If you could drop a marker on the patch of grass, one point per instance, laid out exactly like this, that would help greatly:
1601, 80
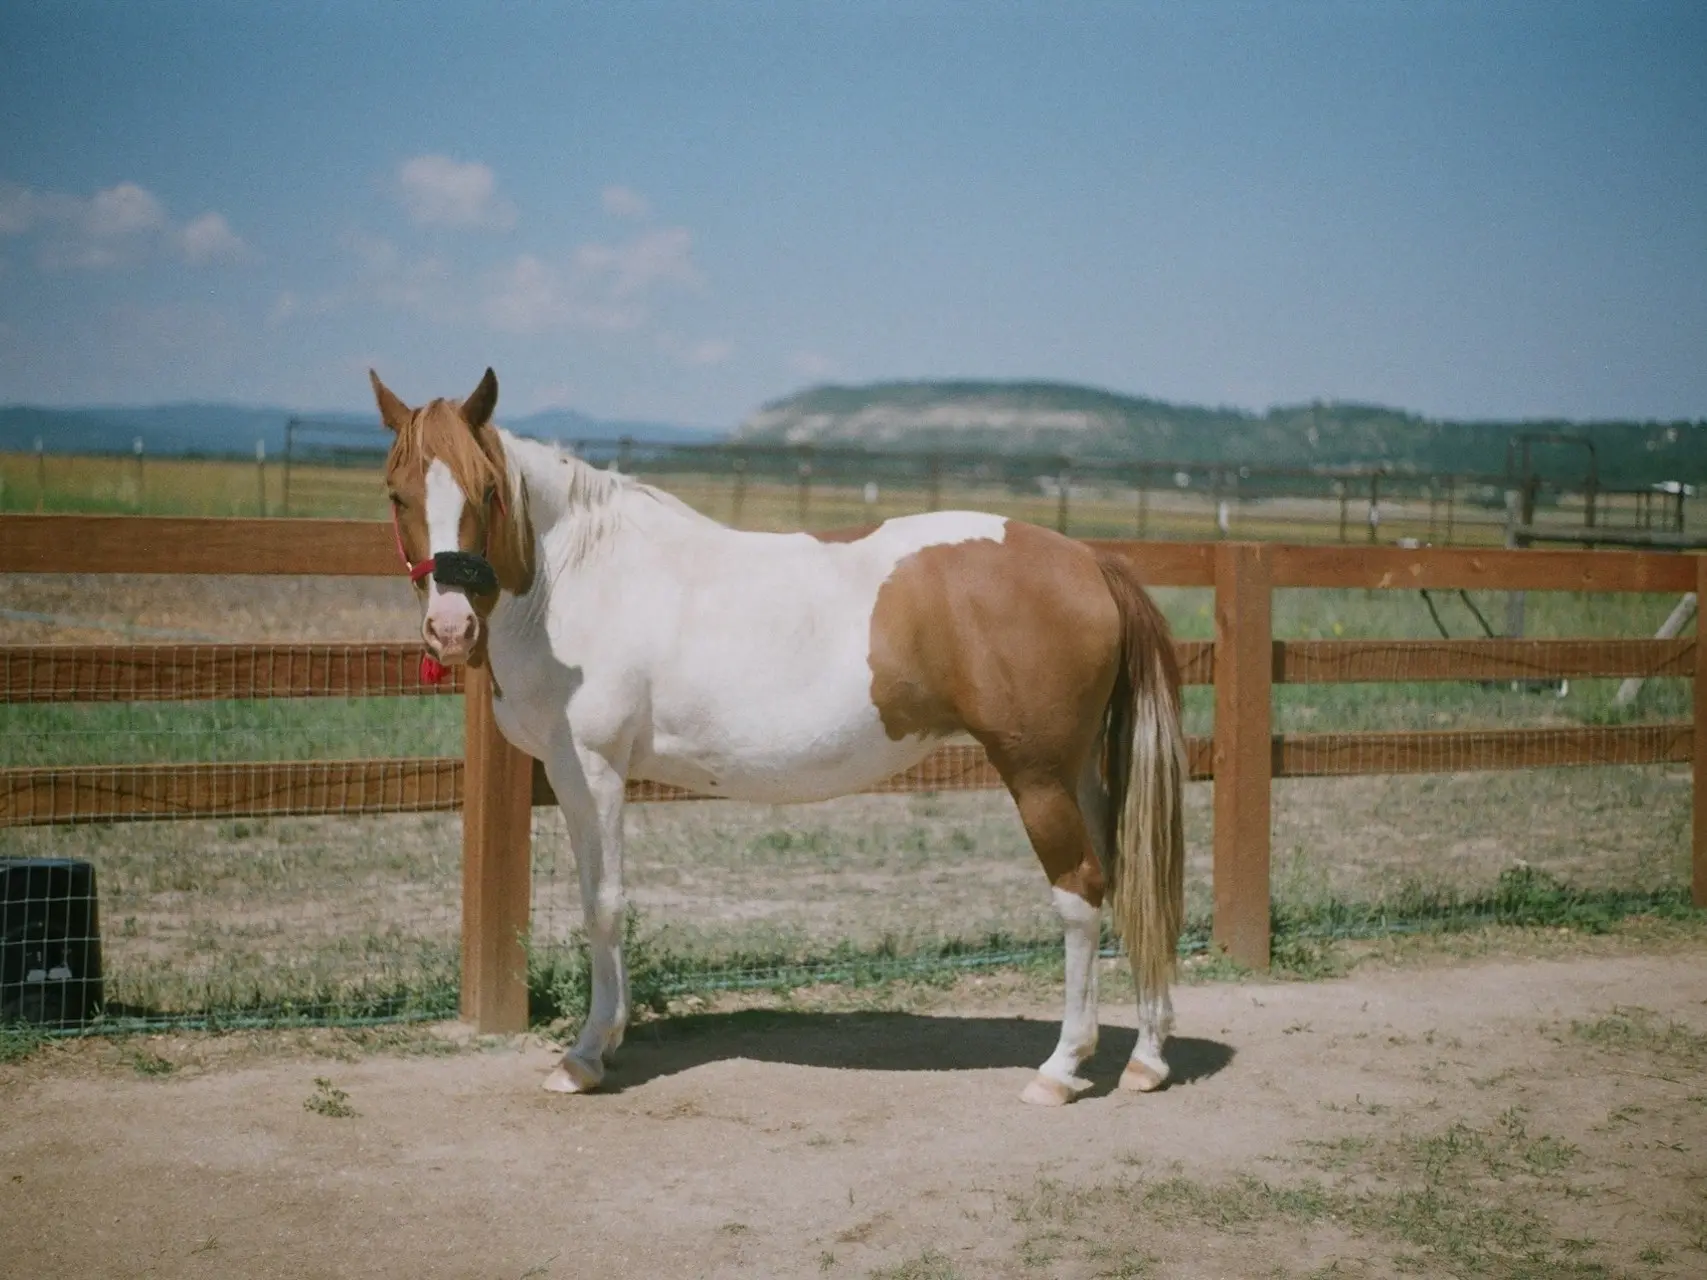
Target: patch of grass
399, 1039
145, 1062
1693, 1221
929, 1265
1306, 945
1238, 1204
329, 1100
18, 1040
229, 730
1306, 959
1123, 1264
1475, 1200
1524, 896
560, 978
1339, 1153
1632, 1027
1213, 966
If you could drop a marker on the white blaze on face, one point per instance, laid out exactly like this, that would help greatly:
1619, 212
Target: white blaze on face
450, 626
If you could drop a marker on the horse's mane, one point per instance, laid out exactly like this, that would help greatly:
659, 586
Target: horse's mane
593, 501
439, 431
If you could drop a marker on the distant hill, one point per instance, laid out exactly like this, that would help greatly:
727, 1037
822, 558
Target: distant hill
231, 430
969, 416
1082, 422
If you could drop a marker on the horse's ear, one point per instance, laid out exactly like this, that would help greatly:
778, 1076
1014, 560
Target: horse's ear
392, 411
477, 409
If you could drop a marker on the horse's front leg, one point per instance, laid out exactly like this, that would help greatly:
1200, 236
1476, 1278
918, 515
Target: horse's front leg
590, 789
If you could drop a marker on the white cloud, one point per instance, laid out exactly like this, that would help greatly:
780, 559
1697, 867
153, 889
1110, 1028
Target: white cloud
608, 287
121, 211
709, 352
532, 295
385, 276
19, 209
637, 266
210, 238
625, 202
440, 192
115, 227
526, 297
809, 364
290, 305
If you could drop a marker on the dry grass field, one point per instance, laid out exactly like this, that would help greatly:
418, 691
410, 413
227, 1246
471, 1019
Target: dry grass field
1095, 507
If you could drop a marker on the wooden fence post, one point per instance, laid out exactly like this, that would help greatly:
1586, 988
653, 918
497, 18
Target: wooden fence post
1244, 674
496, 867
1698, 858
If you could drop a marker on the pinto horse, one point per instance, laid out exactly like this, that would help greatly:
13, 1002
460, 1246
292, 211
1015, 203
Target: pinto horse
628, 636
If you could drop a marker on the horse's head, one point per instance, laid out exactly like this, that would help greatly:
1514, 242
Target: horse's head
460, 536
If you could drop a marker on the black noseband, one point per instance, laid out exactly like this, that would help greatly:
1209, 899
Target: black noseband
465, 571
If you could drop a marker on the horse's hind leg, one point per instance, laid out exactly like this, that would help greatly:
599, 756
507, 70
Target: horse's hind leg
1147, 1069
1056, 825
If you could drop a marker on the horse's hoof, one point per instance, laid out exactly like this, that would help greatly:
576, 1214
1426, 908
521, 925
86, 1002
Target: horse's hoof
570, 1076
1046, 1091
1140, 1077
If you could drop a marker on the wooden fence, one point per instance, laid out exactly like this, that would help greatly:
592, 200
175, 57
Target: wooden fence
496, 785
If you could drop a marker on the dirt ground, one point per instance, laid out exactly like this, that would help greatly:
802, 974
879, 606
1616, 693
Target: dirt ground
1498, 1116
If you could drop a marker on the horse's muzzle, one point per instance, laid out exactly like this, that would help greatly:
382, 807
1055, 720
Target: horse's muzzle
465, 571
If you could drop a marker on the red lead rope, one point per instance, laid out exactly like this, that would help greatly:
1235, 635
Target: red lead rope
432, 670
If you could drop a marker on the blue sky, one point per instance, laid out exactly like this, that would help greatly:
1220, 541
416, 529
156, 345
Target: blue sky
680, 210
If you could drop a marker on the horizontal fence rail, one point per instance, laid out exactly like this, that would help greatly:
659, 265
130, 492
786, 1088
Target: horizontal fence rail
1450, 568
1395, 661
198, 672
56, 795
195, 672
1343, 755
197, 545
366, 548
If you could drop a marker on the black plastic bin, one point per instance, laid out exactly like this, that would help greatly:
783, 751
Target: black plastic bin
50, 942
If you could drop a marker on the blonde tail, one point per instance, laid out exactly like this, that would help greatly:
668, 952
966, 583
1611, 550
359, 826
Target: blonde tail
1144, 771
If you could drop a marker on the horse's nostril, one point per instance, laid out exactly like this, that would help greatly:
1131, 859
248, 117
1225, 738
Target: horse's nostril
454, 632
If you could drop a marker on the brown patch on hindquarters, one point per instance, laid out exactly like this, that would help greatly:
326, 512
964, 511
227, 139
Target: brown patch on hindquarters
1018, 643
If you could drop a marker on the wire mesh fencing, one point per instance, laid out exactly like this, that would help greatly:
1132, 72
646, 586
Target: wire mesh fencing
1443, 775
269, 832
265, 832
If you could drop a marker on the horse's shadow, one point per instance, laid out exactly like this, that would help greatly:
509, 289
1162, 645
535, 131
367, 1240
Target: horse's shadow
882, 1042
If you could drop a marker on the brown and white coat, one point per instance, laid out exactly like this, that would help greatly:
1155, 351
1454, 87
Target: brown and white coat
631, 637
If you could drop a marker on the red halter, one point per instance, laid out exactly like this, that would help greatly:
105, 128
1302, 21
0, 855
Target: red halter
416, 571
432, 670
